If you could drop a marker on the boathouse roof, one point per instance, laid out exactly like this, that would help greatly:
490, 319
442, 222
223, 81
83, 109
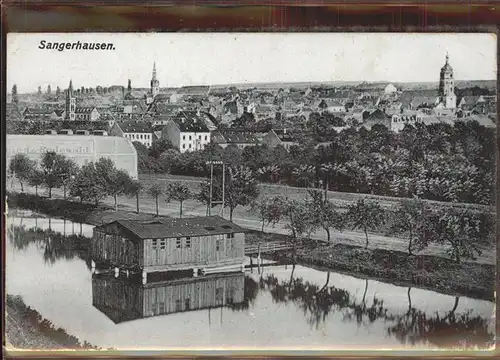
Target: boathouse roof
176, 227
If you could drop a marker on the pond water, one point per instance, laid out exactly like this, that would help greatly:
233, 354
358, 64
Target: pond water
274, 307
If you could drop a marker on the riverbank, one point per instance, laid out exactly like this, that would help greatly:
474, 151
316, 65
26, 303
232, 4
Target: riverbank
84, 213
425, 271
25, 328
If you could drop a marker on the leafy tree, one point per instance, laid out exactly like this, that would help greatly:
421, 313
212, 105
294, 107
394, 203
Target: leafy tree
203, 195
15, 98
36, 179
461, 229
323, 213
106, 170
269, 210
159, 147
55, 168
298, 218
87, 185
22, 168
179, 192
49, 89
134, 188
58, 91
240, 189
129, 86
67, 170
410, 218
365, 215
120, 184
156, 191
39, 90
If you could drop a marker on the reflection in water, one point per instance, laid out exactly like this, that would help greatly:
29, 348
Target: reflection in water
450, 331
55, 245
324, 306
414, 327
122, 299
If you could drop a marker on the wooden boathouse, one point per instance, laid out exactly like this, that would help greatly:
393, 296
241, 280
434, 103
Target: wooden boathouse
209, 244
123, 300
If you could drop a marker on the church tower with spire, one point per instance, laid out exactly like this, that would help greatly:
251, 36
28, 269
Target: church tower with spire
447, 95
155, 84
70, 103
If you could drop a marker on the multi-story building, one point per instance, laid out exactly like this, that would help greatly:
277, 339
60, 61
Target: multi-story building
187, 131
87, 113
135, 131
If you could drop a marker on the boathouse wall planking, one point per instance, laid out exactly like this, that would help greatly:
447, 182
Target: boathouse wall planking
169, 244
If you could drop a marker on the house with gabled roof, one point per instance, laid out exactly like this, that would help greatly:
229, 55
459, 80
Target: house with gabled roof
240, 139
88, 113
45, 114
281, 137
187, 131
170, 244
134, 130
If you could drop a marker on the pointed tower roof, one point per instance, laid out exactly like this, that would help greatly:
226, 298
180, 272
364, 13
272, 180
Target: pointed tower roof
69, 93
154, 71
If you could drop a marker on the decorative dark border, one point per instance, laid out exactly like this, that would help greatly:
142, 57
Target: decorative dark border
245, 16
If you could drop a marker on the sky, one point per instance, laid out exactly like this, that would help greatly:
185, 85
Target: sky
184, 59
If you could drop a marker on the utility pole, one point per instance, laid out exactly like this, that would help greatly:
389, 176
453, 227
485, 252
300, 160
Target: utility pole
223, 190
211, 202
326, 187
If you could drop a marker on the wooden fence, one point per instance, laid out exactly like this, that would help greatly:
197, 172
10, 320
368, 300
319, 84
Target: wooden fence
268, 247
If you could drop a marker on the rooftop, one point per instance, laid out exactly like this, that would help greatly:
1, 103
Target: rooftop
134, 126
84, 110
178, 227
188, 121
240, 137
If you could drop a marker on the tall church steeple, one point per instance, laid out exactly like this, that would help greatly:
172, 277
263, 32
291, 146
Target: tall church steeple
447, 86
155, 84
70, 103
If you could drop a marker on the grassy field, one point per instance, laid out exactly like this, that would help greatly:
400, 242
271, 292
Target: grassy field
297, 193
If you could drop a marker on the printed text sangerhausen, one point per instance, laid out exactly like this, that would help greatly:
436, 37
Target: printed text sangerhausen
74, 45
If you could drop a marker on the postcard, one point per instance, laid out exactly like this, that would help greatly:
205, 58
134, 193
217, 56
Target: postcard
251, 191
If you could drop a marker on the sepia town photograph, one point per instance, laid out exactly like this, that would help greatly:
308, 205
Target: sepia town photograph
277, 191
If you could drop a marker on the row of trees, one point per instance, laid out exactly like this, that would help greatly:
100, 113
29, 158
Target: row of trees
462, 229
436, 162
90, 183
464, 232
82, 90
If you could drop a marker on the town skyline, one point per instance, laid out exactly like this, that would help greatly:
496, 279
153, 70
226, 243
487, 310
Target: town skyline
236, 64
